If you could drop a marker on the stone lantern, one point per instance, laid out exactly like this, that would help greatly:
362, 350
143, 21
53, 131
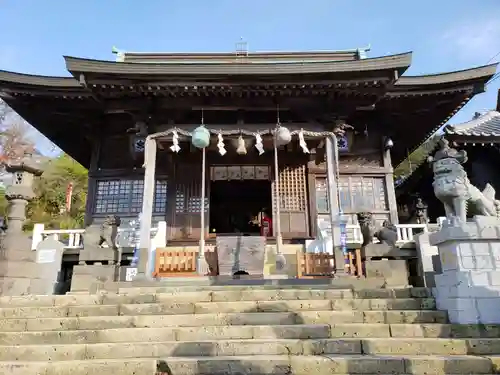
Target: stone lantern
19, 272
24, 170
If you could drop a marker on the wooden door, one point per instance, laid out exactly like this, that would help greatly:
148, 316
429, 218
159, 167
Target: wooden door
186, 203
293, 201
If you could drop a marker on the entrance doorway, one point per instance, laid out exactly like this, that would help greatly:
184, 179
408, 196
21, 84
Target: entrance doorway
234, 206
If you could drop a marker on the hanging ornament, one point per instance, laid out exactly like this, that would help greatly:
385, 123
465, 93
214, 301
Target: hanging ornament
200, 137
282, 136
258, 144
220, 145
241, 150
175, 140
303, 143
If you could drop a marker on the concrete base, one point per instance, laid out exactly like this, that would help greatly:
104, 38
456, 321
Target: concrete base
469, 285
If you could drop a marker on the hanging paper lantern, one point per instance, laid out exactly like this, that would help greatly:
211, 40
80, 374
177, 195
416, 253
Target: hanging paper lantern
200, 137
241, 149
283, 136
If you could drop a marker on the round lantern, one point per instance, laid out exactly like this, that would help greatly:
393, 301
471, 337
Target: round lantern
200, 137
283, 136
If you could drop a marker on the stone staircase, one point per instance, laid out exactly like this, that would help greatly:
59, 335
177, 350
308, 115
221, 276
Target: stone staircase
213, 330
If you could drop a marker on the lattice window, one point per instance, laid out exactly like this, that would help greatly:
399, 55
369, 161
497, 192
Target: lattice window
322, 201
188, 200
160, 200
180, 204
125, 197
292, 186
355, 193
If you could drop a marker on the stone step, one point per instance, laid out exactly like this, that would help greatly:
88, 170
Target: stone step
218, 295
370, 289
143, 366
265, 364
220, 319
283, 331
277, 281
173, 305
379, 346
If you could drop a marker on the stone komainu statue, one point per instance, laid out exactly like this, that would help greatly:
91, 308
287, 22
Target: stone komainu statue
367, 226
388, 234
94, 238
453, 188
96, 235
109, 231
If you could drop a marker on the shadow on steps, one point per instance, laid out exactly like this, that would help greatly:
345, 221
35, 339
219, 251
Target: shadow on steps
205, 365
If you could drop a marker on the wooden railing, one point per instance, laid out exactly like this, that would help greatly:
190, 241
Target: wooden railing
175, 263
182, 263
312, 265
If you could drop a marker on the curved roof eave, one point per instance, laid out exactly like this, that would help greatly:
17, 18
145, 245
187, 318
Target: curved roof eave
79, 65
485, 72
486, 125
38, 80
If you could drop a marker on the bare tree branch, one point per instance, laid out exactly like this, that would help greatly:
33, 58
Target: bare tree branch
14, 139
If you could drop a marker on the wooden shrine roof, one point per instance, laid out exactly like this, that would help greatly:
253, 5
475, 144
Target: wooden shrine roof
411, 107
242, 56
486, 125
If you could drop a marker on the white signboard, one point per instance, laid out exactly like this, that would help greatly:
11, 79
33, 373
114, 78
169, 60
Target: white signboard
46, 255
130, 274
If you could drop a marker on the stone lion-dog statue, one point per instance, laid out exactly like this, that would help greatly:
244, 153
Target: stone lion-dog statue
453, 188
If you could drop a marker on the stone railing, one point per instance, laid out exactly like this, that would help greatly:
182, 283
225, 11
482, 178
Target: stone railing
73, 238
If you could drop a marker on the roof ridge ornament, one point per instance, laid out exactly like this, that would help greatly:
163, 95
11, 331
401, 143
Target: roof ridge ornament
120, 55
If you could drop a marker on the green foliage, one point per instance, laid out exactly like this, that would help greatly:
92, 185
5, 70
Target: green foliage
50, 205
416, 158
3, 202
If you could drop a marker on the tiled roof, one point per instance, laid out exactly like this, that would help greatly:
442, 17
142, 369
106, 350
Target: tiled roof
487, 125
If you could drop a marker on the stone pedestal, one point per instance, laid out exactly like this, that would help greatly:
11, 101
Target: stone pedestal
383, 260
469, 285
241, 253
87, 277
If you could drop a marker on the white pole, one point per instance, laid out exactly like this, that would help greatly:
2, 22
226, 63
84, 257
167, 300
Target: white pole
280, 259
147, 207
201, 263
332, 178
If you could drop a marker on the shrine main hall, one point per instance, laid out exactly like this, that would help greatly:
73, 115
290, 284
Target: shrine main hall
105, 113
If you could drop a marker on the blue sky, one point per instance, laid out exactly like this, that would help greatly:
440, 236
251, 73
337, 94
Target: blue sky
443, 34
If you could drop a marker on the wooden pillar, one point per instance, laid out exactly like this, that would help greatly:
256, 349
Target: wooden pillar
147, 207
91, 185
389, 187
